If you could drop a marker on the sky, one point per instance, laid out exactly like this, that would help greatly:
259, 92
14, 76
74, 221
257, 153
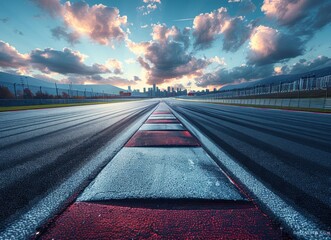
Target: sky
196, 44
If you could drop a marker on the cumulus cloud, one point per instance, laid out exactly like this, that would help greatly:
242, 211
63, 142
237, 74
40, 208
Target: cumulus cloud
236, 75
143, 63
163, 34
64, 62
150, 6
170, 61
267, 45
207, 27
115, 65
285, 11
166, 57
301, 16
10, 57
217, 60
305, 65
235, 34
63, 33
53, 7
323, 17
129, 61
101, 23
278, 70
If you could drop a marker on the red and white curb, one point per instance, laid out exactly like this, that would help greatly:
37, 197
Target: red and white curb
162, 185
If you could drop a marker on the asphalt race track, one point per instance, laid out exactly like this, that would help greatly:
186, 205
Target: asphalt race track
288, 151
41, 151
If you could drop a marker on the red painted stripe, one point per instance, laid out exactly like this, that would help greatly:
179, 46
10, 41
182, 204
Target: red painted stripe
163, 139
166, 121
97, 221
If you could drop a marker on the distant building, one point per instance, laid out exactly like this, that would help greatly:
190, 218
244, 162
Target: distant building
154, 89
157, 93
125, 94
129, 89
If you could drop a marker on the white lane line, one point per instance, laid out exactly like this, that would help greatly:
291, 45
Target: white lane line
161, 173
300, 226
25, 226
161, 117
160, 127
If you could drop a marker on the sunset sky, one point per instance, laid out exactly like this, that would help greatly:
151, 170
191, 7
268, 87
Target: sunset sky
194, 44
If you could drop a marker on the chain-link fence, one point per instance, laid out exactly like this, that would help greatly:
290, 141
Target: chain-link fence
306, 87
307, 92
24, 91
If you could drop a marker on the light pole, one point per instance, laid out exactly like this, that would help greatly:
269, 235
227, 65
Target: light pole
15, 90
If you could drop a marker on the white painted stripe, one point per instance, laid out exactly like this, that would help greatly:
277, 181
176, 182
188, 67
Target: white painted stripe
162, 107
161, 117
298, 224
172, 173
159, 127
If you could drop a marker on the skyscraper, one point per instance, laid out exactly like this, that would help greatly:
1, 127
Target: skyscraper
154, 88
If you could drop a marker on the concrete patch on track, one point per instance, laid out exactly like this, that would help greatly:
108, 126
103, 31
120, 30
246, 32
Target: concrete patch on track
161, 173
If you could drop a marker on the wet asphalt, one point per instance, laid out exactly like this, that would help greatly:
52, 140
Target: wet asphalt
290, 152
40, 149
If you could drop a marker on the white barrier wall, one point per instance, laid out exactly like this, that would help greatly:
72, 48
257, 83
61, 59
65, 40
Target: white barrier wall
319, 103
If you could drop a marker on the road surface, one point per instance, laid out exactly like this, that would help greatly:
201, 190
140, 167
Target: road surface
288, 151
40, 149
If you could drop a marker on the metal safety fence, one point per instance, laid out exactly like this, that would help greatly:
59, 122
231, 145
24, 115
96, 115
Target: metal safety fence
24, 91
305, 87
